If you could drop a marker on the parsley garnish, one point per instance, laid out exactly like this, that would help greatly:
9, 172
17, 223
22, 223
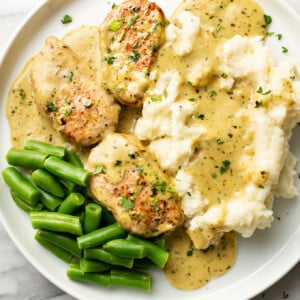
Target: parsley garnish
260, 91
214, 175
70, 76
98, 170
160, 187
140, 169
156, 98
132, 20
219, 141
268, 21
284, 49
225, 166
118, 163
66, 19
126, 203
213, 94
109, 60
68, 111
115, 25
258, 104
132, 155
52, 107
199, 116
135, 56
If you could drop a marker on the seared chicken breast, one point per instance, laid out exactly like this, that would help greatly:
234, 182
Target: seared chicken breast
130, 37
64, 92
128, 181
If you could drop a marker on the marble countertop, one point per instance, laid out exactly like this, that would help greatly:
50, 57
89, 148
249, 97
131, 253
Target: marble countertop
18, 278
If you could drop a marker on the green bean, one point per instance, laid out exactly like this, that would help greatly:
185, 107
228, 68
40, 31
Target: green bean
89, 265
57, 251
131, 278
71, 203
26, 158
155, 253
125, 248
107, 257
92, 217
74, 159
55, 221
100, 236
144, 263
49, 201
69, 185
66, 170
60, 240
24, 205
74, 272
160, 241
21, 185
46, 148
107, 217
47, 182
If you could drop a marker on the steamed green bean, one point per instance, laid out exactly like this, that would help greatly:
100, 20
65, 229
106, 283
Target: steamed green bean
46, 148
47, 182
21, 185
26, 158
100, 236
55, 221
107, 257
66, 170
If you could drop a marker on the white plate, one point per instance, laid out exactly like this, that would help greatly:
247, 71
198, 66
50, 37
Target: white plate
262, 259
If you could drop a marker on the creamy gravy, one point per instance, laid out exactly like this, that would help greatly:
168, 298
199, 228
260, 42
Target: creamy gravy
187, 268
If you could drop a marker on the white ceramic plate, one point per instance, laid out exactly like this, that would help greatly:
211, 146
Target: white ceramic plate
262, 259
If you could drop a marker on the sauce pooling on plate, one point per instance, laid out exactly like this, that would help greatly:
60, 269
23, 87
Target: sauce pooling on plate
189, 268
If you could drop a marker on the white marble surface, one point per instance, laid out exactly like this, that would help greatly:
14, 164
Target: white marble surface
18, 279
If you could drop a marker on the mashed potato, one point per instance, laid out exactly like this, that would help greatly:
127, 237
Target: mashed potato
236, 109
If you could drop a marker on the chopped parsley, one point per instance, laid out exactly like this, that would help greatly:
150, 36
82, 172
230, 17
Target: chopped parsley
126, 203
160, 187
66, 19
70, 76
284, 49
98, 170
132, 20
199, 116
192, 99
114, 5
219, 28
219, 141
118, 163
135, 56
109, 60
279, 36
132, 155
214, 175
67, 101
213, 94
260, 91
190, 252
52, 107
156, 98
258, 104
68, 111
140, 169
268, 21
261, 186
115, 25
225, 166
224, 75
